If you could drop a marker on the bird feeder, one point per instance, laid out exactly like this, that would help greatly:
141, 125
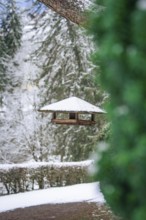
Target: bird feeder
72, 111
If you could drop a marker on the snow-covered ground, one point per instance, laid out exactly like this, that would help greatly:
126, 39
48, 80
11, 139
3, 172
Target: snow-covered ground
87, 192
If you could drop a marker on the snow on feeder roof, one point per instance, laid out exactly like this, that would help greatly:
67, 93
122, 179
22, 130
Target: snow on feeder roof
72, 110
72, 104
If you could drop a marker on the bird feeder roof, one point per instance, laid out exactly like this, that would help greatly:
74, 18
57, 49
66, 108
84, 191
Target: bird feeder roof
72, 104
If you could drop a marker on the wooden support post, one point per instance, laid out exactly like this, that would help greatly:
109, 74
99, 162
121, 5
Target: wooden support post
54, 115
92, 117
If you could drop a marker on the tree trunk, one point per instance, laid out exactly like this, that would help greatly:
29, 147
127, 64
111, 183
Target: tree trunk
72, 10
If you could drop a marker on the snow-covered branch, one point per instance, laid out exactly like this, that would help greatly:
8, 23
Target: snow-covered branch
72, 10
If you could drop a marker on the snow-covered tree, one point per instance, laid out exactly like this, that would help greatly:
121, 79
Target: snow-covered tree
66, 70
11, 27
52, 63
3, 78
10, 38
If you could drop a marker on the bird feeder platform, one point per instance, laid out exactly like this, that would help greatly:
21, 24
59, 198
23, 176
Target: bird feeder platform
72, 111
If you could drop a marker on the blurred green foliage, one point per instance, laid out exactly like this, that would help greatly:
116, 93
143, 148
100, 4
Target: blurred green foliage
119, 31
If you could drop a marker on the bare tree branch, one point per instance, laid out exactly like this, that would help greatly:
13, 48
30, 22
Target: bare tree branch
72, 10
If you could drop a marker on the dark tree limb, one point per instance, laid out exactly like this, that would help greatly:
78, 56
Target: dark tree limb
72, 10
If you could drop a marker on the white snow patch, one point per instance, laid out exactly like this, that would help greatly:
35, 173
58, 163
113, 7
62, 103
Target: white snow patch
87, 192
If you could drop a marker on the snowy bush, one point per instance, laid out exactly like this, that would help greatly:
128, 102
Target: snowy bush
16, 178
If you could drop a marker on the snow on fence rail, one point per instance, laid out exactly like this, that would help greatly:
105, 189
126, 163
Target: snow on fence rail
15, 178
